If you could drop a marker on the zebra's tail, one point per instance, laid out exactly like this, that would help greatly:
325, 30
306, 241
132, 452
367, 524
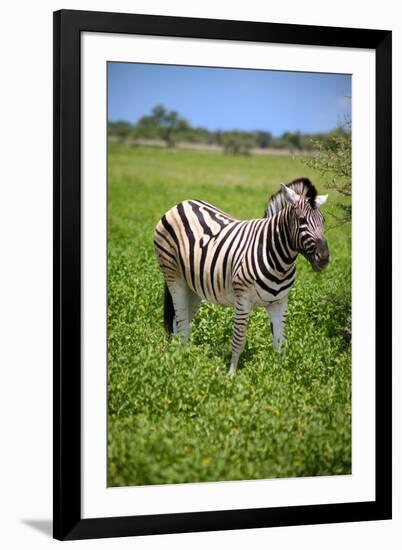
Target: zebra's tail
168, 311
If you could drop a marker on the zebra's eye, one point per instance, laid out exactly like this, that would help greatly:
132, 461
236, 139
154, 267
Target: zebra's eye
303, 220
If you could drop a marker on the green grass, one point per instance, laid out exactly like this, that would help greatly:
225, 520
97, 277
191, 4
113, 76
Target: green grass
174, 414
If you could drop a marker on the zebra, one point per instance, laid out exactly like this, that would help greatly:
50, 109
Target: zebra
205, 253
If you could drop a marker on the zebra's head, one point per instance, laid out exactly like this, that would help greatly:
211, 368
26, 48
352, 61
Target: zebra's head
307, 227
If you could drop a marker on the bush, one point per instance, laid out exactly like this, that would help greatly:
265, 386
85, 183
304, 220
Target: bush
334, 162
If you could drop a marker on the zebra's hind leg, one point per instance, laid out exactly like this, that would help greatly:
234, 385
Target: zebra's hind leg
182, 297
193, 304
277, 314
241, 315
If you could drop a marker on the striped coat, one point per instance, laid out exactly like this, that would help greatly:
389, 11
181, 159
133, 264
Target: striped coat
205, 253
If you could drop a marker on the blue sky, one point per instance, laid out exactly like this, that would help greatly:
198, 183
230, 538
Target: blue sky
227, 99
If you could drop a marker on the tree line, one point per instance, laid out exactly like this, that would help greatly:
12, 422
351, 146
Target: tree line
172, 128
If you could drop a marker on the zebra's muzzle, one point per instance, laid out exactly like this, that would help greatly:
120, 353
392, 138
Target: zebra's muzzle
320, 258
319, 266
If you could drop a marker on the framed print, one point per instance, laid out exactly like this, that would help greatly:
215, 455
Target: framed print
222, 274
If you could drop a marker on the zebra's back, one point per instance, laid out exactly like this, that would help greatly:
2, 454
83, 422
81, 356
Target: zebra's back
201, 243
220, 257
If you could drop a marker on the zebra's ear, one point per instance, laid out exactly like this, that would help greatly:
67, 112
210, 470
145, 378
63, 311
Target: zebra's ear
320, 200
290, 195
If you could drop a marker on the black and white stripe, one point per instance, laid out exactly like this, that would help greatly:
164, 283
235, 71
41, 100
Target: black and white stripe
205, 253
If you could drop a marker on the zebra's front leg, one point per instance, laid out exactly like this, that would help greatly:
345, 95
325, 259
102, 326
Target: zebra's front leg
241, 315
277, 314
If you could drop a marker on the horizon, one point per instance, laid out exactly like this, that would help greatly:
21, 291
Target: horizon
309, 103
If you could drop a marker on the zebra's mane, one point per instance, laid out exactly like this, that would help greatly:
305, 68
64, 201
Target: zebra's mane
302, 186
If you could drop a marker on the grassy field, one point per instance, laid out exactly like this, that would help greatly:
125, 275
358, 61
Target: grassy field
174, 414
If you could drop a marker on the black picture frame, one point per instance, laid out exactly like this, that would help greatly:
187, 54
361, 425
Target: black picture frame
68, 26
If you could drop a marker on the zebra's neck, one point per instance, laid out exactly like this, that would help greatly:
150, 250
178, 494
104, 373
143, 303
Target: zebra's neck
269, 262
279, 247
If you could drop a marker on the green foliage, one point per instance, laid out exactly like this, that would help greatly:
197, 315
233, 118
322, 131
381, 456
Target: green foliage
120, 129
170, 127
263, 139
236, 143
294, 139
334, 163
174, 414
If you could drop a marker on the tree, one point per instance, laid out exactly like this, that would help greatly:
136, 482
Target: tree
236, 143
334, 162
294, 139
263, 139
146, 128
163, 124
121, 129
